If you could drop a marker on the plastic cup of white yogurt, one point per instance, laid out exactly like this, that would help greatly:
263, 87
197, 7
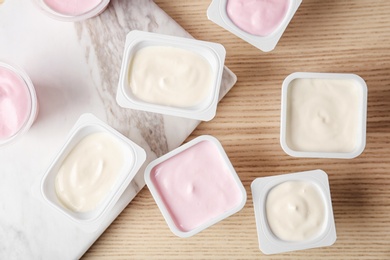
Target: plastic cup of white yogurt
18, 103
293, 212
195, 186
72, 10
323, 115
90, 172
171, 75
260, 23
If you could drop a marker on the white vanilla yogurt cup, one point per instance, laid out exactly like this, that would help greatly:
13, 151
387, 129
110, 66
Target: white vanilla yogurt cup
171, 75
289, 206
323, 115
77, 183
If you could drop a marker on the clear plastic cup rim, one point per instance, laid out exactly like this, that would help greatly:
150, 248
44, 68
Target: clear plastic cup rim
33, 98
71, 18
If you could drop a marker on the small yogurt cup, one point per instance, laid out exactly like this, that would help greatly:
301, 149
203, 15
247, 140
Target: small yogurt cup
269, 243
214, 54
331, 95
5, 107
133, 158
195, 186
57, 10
217, 12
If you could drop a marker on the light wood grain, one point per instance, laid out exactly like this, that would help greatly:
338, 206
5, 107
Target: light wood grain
324, 36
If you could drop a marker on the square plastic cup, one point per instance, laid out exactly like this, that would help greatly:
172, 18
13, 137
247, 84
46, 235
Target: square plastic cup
18, 103
195, 186
266, 36
212, 53
294, 207
72, 10
133, 157
323, 115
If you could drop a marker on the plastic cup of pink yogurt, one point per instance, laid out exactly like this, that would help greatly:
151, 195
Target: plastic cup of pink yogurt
18, 103
260, 23
72, 10
195, 186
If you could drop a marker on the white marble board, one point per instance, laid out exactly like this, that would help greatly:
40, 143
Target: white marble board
75, 69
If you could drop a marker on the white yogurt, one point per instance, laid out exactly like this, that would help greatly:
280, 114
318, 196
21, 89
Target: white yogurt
170, 76
323, 115
295, 211
89, 172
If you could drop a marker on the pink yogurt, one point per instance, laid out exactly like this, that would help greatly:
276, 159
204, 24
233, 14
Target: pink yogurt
196, 185
257, 17
72, 7
15, 103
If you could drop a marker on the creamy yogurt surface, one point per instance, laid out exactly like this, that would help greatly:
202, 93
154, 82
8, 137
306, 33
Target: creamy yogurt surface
170, 76
72, 7
323, 115
89, 172
295, 211
257, 17
15, 103
196, 186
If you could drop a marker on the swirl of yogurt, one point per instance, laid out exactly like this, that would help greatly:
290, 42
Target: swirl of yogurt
295, 211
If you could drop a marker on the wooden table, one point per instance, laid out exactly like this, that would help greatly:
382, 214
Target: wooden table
324, 36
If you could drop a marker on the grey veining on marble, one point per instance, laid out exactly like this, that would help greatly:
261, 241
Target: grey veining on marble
75, 69
107, 34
